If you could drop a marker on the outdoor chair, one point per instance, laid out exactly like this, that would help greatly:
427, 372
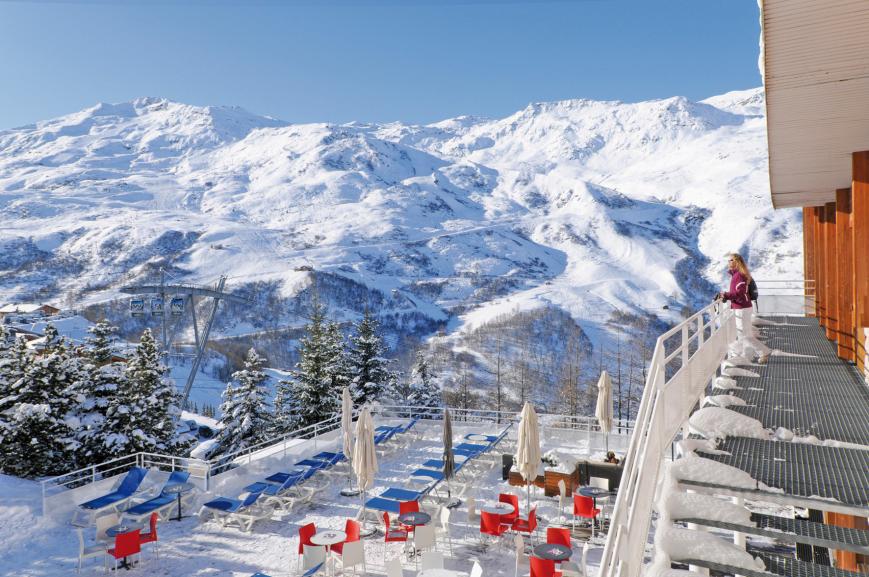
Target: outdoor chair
528, 525
577, 570
399, 494
432, 560
104, 522
583, 507
87, 511
558, 536
353, 530
85, 551
543, 567
392, 535
163, 503
394, 568
352, 554
126, 545
424, 538
286, 495
511, 499
490, 524
476, 570
305, 534
521, 557
151, 535
313, 559
408, 507
473, 517
562, 496
245, 511
444, 518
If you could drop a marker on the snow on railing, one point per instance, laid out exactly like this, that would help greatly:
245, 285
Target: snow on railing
684, 361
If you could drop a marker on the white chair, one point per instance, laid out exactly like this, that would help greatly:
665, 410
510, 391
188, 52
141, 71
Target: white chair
393, 568
476, 570
432, 560
562, 495
84, 552
473, 517
521, 557
353, 554
445, 526
424, 538
312, 555
570, 569
103, 523
584, 562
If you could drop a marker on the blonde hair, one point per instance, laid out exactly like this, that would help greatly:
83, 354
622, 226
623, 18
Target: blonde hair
741, 266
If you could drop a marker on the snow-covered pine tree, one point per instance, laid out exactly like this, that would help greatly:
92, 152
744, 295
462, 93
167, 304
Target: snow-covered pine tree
14, 360
312, 385
143, 412
41, 439
337, 365
425, 392
285, 410
369, 368
97, 388
246, 416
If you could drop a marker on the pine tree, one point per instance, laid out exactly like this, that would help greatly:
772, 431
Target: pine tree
313, 396
425, 392
245, 411
285, 411
143, 412
15, 359
369, 369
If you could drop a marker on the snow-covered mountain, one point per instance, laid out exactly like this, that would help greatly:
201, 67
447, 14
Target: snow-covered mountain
588, 206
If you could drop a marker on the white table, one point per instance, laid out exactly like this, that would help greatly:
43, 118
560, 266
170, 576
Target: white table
498, 508
327, 538
438, 573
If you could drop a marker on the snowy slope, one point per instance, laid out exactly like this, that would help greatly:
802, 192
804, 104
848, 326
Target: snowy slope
590, 206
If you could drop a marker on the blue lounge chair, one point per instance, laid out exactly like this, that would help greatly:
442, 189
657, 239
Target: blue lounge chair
431, 473
119, 497
381, 504
285, 495
401, 494
162, 503
243, 511
489, 438
474, 447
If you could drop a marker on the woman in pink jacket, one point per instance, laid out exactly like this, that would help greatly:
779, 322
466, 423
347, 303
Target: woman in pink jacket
740, 302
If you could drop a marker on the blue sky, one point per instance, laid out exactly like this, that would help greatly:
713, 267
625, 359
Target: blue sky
368, 60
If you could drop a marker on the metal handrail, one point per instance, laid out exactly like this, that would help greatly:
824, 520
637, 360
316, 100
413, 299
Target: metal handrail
669, 396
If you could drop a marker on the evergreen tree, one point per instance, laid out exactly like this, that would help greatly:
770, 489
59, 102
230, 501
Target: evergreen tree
40, 439
337, 364
425, 392
142, 414
15, 359
285, 412
245, 411
369, 369
313, 396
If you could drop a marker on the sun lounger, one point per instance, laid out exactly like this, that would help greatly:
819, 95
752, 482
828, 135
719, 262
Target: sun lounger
285, 495
161, 504
401, 494
245, 512
473, 447
431, 473
381, 504
119, 497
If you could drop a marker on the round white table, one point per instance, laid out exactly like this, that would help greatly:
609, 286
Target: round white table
178, 489
498, 508
438, 573
327, 538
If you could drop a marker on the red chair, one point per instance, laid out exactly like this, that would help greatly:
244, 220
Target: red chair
491, 524
392, 535
126, 544
558, 536
528, 525
408, 507
305, 534
584, 507
511, 499
543, 567
151, 536
352, 528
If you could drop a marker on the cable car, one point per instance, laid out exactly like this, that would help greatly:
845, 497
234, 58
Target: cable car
157, 307
137, 307
176, 306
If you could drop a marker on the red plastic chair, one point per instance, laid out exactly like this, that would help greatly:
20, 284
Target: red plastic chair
126, 544
512, 499
528, 525
352, 528
490, 524
151, 536
305, 534
584, 507
392, 535
408, 507
558, 536
543, 567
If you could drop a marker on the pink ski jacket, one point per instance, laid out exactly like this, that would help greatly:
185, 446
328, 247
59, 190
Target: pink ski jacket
738, 293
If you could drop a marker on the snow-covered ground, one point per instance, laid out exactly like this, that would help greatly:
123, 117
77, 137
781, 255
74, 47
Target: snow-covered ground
36, 546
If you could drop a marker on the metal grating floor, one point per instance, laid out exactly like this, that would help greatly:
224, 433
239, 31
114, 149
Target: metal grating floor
777, 566
822, 396
802, 470
796, 531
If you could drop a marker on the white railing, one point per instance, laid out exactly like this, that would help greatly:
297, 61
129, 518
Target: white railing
786, 297
684, 361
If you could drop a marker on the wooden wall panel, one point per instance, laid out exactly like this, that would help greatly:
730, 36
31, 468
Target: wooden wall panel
831, 279
820, 264
845, 274
860, 218
809, 250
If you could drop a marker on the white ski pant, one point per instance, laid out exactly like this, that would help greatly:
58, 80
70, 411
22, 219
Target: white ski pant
747, 344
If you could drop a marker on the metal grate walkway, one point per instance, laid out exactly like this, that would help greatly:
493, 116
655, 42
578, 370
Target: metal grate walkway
776, 566
822, 396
